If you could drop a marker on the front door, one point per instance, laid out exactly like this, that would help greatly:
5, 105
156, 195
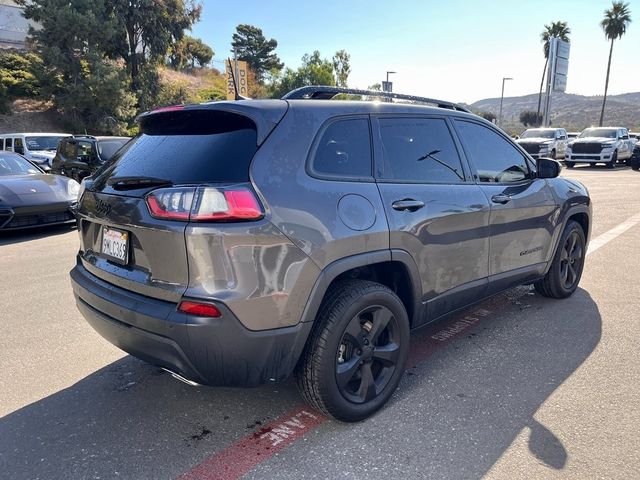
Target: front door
523, 209
435, 211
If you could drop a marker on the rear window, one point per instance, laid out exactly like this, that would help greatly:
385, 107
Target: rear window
186, 147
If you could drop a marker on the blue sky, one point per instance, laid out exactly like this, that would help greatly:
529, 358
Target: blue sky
455, 50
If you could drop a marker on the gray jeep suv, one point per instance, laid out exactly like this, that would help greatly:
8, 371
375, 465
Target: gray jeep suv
236, 243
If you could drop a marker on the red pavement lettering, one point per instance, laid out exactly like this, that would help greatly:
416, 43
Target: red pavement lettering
249, 452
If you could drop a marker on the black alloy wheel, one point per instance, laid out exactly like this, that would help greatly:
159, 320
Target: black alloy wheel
571, 260
368, 354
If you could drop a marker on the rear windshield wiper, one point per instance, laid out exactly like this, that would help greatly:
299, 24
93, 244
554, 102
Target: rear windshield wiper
131, 183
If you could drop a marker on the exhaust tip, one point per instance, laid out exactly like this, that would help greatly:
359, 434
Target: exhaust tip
177, 376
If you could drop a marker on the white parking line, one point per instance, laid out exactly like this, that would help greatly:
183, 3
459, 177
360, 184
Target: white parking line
615, 232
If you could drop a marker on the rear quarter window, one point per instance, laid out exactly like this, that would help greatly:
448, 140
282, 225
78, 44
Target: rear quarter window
344, 150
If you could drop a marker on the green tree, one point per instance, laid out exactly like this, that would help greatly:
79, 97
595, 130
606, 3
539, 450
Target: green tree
251, 46
90, 89
147, 28
314, 71
615, 23
341, 67
18, 74
529, 118
555, 29
189, 50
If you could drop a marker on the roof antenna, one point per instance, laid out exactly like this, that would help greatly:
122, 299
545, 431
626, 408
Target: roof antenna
235, 84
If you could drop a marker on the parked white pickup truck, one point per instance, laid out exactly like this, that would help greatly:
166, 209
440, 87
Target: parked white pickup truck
607, 145
544, 142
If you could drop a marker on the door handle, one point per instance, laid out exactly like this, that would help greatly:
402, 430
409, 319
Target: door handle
501, 198
407, 204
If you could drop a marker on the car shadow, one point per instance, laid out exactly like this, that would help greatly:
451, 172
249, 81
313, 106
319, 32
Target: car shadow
10, 237
457, 410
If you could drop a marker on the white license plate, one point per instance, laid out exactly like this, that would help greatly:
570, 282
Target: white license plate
115, 245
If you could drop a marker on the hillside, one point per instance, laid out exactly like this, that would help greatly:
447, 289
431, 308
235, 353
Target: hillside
573, 112
31, 116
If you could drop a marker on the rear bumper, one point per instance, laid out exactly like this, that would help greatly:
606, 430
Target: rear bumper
208, 351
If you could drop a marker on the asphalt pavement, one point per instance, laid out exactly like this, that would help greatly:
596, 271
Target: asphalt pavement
520, 386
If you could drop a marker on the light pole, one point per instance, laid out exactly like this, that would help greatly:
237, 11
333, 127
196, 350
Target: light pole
501, 99
387, 86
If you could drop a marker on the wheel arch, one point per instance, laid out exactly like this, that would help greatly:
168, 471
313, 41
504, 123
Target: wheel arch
395, 269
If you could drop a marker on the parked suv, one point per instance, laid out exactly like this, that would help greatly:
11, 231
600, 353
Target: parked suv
236, 243
79, 156
635, 158
607, 145
544, 142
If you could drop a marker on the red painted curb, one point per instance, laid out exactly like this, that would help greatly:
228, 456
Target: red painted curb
249, 452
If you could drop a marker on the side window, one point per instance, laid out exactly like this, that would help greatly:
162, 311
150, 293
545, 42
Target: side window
419, 150
494, 157
18, 146
344, 149
8, 144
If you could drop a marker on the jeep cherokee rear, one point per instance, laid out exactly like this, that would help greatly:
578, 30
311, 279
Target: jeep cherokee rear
235, 243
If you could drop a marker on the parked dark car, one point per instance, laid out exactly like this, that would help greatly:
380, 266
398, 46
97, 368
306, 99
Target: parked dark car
79, 156
635, 158
236, 243
30, 198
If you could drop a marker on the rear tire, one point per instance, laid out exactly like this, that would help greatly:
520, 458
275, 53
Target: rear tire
355, 356
635, 167
569, 164
566, 268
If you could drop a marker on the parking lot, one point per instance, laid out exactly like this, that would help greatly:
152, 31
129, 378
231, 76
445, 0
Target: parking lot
519, 386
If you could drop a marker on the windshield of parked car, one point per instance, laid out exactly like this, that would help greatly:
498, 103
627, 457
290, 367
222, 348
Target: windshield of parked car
106, 148
14, 164
600, 132
43, 143
538, 133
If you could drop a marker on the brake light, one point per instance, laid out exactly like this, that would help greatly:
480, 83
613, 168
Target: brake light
204, 204
199, 309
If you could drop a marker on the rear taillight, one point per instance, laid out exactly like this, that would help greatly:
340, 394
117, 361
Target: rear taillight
199, 309
204, 204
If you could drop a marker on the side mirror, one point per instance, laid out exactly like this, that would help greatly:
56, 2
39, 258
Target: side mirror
548, 168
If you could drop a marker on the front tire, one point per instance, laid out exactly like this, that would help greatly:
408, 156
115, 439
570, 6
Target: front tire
614, 160
569, 164
356, 354
566, 268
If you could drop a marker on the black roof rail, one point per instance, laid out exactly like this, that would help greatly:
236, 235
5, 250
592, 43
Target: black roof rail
322, 92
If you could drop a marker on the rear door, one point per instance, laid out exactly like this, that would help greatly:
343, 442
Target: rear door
523, 209
435, 212
121, 242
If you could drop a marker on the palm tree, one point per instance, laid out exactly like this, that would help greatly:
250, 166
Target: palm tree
615, 23
556, 29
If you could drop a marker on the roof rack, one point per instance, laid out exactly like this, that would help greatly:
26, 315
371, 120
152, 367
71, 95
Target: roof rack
322, 92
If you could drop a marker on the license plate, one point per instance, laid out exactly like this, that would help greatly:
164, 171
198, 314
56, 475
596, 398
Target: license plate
115, 245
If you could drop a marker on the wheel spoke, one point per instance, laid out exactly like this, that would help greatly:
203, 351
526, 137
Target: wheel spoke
347, 370
367, 388
577, 254
381, 318
564, 272
387, 354
353, 333
571, 275
572, 239
564, 255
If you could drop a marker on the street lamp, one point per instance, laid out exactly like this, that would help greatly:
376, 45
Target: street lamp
501, 99
387, 86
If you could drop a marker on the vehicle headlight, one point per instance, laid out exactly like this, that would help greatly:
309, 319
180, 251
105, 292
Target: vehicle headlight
73, 189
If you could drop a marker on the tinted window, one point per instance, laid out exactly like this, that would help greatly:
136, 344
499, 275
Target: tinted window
106, 148
8, 143
42, 143
494, 157
344, 149
419, 150
187, 147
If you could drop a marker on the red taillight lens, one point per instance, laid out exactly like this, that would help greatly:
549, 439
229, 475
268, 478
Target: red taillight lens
199, 309
204, 204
